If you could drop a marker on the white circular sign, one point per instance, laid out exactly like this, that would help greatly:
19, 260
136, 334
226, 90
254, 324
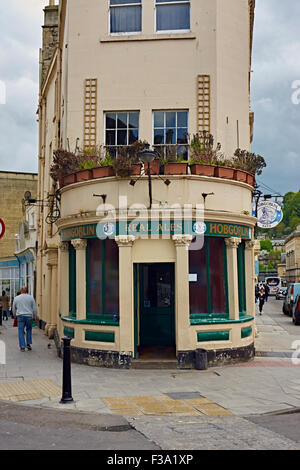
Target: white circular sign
269, 214
2, 228
199, 228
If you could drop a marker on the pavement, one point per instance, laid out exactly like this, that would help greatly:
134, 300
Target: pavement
169, 405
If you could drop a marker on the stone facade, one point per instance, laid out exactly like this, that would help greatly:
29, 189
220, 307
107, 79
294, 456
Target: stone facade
12, 189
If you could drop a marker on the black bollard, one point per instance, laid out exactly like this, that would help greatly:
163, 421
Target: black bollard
0, 316
67, 386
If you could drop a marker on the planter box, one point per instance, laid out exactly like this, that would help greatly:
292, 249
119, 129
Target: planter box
69, 179
154, 167
83, 175
61, 182
250, 179
224, 172
136, 169
103, 172
202, 169
175, 168
240, 175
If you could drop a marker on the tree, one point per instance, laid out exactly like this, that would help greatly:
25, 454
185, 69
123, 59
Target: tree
266, 245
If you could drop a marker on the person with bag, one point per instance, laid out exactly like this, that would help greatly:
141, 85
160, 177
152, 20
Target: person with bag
24, 310
4, 301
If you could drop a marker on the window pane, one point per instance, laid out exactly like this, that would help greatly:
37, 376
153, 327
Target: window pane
172, 17
111, 277
217, 278
110, 138
95, 276
126, 19
182, 119
170, 136
159, 119
171, 119
182, 152
159, 137
182, 136
122, 138
110, 121
133, 135
122, 121
133, 120
198, 288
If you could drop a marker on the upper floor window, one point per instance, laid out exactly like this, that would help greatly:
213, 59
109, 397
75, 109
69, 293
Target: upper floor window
121, 129
170, 130
172, 15
125, 16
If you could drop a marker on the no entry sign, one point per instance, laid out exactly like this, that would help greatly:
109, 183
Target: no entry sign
2, 228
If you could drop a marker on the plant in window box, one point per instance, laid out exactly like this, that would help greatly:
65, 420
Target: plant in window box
64, 166
249, 163
224, 169
106, 167
203, 156
174, 162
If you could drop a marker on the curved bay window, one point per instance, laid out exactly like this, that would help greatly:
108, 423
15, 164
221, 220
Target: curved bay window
208, 280
102, 278
242, 278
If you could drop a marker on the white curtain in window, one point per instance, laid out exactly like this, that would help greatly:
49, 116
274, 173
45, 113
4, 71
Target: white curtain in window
126, 19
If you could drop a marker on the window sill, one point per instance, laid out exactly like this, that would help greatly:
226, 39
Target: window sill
215, 321
147, 37
94, 321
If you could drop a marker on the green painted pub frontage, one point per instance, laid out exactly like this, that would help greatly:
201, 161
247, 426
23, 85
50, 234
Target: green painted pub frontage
141, 291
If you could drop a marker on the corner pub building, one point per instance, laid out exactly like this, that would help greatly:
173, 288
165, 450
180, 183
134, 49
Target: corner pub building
127, 284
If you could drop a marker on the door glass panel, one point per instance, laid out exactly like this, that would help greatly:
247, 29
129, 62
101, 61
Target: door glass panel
157, 287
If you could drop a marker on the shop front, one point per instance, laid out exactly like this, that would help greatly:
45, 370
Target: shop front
157, 290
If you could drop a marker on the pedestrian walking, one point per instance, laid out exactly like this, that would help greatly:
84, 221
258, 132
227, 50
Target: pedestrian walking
267, 291
4, 303
24, 309
256, 292
261, 297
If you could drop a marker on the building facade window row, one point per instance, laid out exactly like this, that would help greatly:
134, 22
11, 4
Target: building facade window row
170, 16
170, 127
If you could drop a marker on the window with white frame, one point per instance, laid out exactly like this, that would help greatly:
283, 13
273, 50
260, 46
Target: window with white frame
125, 16
121, 129
172, 15
170, 132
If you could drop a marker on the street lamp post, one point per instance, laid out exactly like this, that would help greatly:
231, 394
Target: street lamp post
147, 156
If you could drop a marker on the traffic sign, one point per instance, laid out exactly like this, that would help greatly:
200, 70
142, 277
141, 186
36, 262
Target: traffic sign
2, 228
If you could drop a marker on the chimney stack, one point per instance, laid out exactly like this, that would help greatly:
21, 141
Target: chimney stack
50, 38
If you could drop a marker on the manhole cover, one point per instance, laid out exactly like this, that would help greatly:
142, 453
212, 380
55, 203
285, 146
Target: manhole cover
184, 395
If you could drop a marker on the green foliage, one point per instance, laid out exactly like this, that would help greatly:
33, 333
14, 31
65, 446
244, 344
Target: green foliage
266, 245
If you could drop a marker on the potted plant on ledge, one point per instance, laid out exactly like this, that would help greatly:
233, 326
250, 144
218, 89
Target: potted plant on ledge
173, 160
203, 156
247, 165
105, 169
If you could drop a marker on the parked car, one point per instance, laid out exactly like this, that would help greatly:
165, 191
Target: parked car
292, 292
296, 311
281, 293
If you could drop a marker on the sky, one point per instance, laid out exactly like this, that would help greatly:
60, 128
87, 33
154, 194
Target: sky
275, 70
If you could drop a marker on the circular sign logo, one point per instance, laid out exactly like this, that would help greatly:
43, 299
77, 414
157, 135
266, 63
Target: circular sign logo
2, 228
108, 229
199, 228
269, 214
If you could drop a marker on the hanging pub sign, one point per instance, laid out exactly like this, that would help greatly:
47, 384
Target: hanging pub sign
269, 214
2, 228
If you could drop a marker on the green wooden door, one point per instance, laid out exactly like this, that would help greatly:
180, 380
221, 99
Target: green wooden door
157, 323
